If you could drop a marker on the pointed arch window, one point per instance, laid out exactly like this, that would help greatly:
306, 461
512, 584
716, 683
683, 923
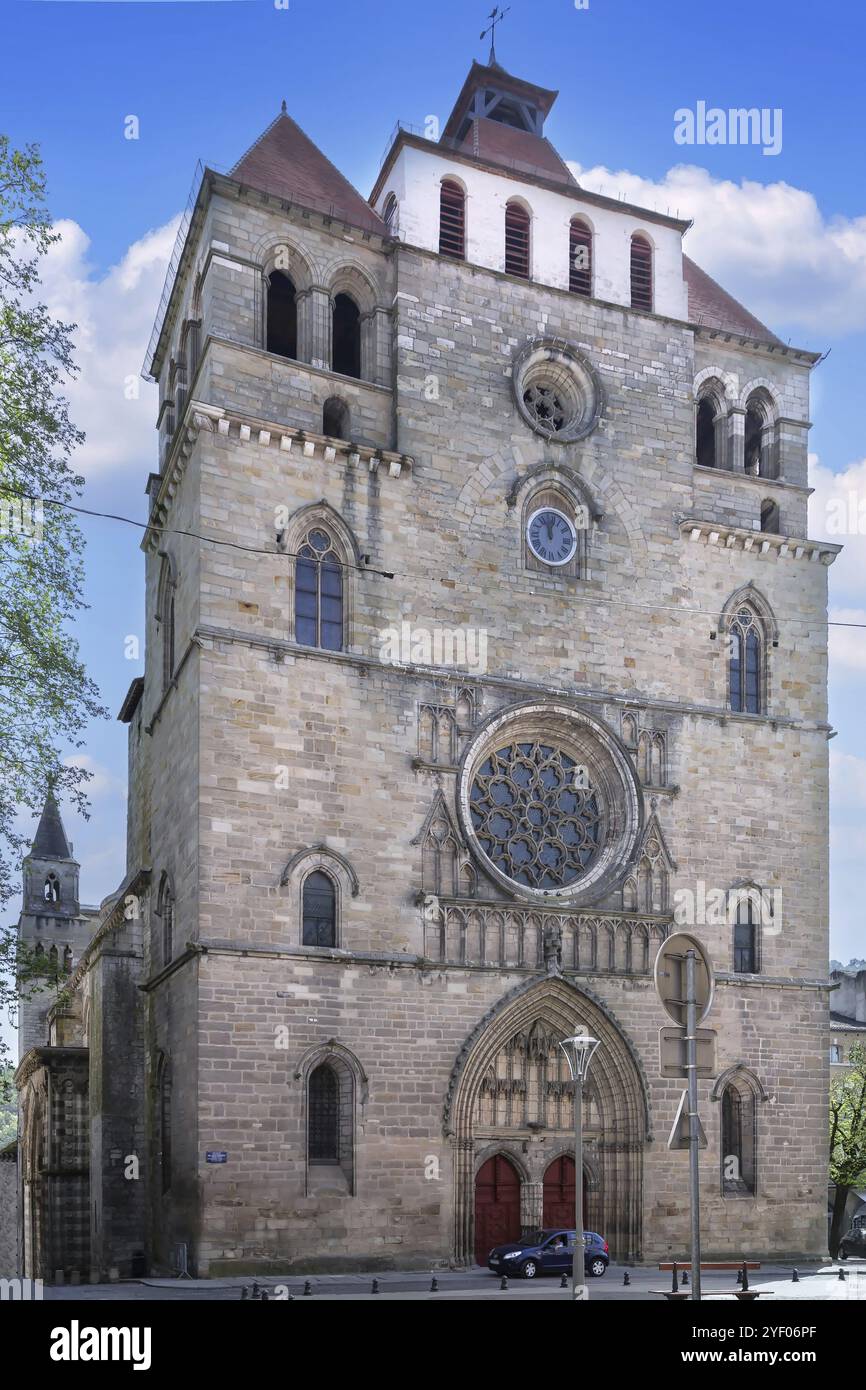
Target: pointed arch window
580, 257
51, 889
346, 351
746, 937
641, 273
391, 214
166, 619
452, 219
335, 418
281, 334
319, 910
324, 1115
166, 913
739, 1140
708, 424
746, 663
319, 602
770, 518
516, 240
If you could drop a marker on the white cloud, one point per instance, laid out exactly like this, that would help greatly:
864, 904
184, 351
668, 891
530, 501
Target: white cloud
102, 781
114, 314
767, 244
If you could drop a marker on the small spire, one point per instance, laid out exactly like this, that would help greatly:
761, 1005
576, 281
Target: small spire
283, 107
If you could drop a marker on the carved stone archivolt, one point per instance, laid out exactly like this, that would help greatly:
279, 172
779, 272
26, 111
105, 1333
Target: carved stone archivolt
510, 1090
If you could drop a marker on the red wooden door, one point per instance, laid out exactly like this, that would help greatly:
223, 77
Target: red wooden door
497, 1206
559, 1194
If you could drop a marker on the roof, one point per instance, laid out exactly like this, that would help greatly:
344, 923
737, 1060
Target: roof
285, 161
841, 1024
131, 700
712, 307
496, 143
51, 841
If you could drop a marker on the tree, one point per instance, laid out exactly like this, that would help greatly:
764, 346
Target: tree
847, 1138
46, 697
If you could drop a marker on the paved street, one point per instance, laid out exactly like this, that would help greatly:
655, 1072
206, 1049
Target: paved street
816, 1283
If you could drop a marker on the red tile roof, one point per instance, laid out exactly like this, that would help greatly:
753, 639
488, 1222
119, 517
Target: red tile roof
712, 307
284, 161
496, 143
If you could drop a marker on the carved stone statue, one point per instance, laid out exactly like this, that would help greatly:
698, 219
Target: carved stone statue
552, 943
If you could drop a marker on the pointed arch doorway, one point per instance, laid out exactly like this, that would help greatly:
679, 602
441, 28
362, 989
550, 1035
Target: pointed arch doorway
510, 1098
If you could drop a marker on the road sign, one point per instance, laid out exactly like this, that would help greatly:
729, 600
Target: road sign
679, 1137
670, 977
673, 1052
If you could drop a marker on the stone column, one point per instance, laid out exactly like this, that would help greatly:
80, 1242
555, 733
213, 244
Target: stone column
735, 460
315, 324
376, 346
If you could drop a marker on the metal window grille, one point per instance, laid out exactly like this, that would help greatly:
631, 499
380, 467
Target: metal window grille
324, 1094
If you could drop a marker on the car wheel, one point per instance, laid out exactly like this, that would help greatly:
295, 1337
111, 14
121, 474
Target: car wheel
597, 1268
529, 1269
843, 1252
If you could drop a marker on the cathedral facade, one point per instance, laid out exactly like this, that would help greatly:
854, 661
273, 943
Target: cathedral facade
485, 643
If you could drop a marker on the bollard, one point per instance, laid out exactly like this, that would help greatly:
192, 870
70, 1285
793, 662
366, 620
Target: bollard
256, 1290
434, 1285
375, 1288
308, 1288
625, 1279
674, 1287
503, 1283
266, 1298
745, 1280
842, 1275
245, 1293
685, 1279
563, 1283
795, 1277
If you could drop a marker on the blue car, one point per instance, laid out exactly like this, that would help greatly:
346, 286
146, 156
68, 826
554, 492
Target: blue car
549, 1252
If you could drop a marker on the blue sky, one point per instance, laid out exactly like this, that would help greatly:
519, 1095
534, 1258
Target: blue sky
787, 234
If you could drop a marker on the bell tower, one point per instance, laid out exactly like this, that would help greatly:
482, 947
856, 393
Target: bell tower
51, 919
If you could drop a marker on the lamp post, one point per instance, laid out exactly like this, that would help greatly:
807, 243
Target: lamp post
579, 1052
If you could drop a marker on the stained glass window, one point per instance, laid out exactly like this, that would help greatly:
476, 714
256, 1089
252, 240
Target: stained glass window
324, 1093
319, 593
535, 814
320, 915
745, 663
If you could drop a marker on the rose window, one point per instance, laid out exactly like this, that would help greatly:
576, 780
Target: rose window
535, 814
545, 407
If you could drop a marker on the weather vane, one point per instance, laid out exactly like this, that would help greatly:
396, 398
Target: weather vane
495, 16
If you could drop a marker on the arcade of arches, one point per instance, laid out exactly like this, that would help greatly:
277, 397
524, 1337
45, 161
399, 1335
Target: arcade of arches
511, 1122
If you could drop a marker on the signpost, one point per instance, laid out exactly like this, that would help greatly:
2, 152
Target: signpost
685, 984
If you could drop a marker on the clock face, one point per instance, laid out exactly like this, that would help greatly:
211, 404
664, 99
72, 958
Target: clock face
551, 536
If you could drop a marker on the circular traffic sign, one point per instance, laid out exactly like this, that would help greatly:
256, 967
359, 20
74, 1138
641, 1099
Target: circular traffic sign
670, 977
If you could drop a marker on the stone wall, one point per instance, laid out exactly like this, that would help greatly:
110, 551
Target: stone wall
9, 1212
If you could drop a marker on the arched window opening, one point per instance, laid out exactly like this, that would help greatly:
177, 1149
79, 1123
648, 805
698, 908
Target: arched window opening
324, 1115
347, 336
51, 889
746, 661
163, 1100
282, 316
516, 240
452, 220
319, 910
738, 1141
770, 518
390, 213
166, 912
67, 959
641, 273
166, 618
746, 938
752, 448
705, 433
319, 592
579, 258
335, 418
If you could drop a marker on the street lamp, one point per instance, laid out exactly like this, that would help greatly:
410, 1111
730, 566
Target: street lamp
579, 1052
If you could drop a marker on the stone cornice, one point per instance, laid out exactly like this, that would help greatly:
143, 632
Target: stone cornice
757, 542
114, 915
280, 647
749, 480
248, 429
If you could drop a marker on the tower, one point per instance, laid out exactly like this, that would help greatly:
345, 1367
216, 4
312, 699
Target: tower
52, 923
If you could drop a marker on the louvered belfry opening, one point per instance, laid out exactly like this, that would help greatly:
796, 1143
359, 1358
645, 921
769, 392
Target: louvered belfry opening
641, 274
452, 220
517, 240
580, 258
